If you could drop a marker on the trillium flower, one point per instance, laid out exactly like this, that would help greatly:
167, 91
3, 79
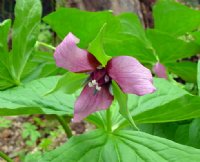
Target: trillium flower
129, 74
160, 70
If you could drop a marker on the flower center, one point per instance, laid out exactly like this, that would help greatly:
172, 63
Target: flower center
94, 83
99, 78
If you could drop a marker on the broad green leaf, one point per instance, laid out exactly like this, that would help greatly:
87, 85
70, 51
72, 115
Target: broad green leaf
25, 33
4, 32
32, 156
198, 76
168, 48
186, 70
5, 78
69, 83
185, 132
121, 146
5, 83
29, 99
182, 134
124, 35
175, 18
196, 36
97, 49
169, 103
194, 133
183, 108
40, 64
85, 25
164, 130
122, 99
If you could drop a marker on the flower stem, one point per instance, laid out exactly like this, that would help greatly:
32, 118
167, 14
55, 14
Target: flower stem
5, 157
109, 121
45, 45
65, 126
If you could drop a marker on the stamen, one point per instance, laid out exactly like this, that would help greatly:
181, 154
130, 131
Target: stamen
98, 88
99, 67
106, 78
90, 84
94, 82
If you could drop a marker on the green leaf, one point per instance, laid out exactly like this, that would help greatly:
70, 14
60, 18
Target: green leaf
168, 48
40, 64
85, 25
182, 134
5, 78
5, 84
194, 133
97, 49
25, 33
198, 76
30, 132
124, 35
69, 83
4, 31
175, 18
29, 99
124, 145
185, 132
5, 123
169, 103
122, 100
186, 70
164, 130
33, 156
196, 36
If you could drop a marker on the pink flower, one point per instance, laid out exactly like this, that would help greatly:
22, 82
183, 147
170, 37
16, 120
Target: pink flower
130, 75
160, 70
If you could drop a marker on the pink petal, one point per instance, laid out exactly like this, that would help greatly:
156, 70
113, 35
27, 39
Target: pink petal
160, 70
131, 76
69, 56
90, 101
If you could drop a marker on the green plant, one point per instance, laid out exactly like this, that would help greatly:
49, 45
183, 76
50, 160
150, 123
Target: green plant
30, 134
5, 123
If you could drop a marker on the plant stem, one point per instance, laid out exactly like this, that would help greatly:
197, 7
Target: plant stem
109, 122
65, 126
45, 45
5, 157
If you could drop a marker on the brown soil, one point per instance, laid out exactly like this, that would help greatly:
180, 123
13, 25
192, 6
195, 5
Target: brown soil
13, 144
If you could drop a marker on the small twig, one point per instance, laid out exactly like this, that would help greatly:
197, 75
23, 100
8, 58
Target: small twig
5, 157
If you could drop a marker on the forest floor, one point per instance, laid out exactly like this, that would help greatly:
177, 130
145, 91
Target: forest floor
24, 135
